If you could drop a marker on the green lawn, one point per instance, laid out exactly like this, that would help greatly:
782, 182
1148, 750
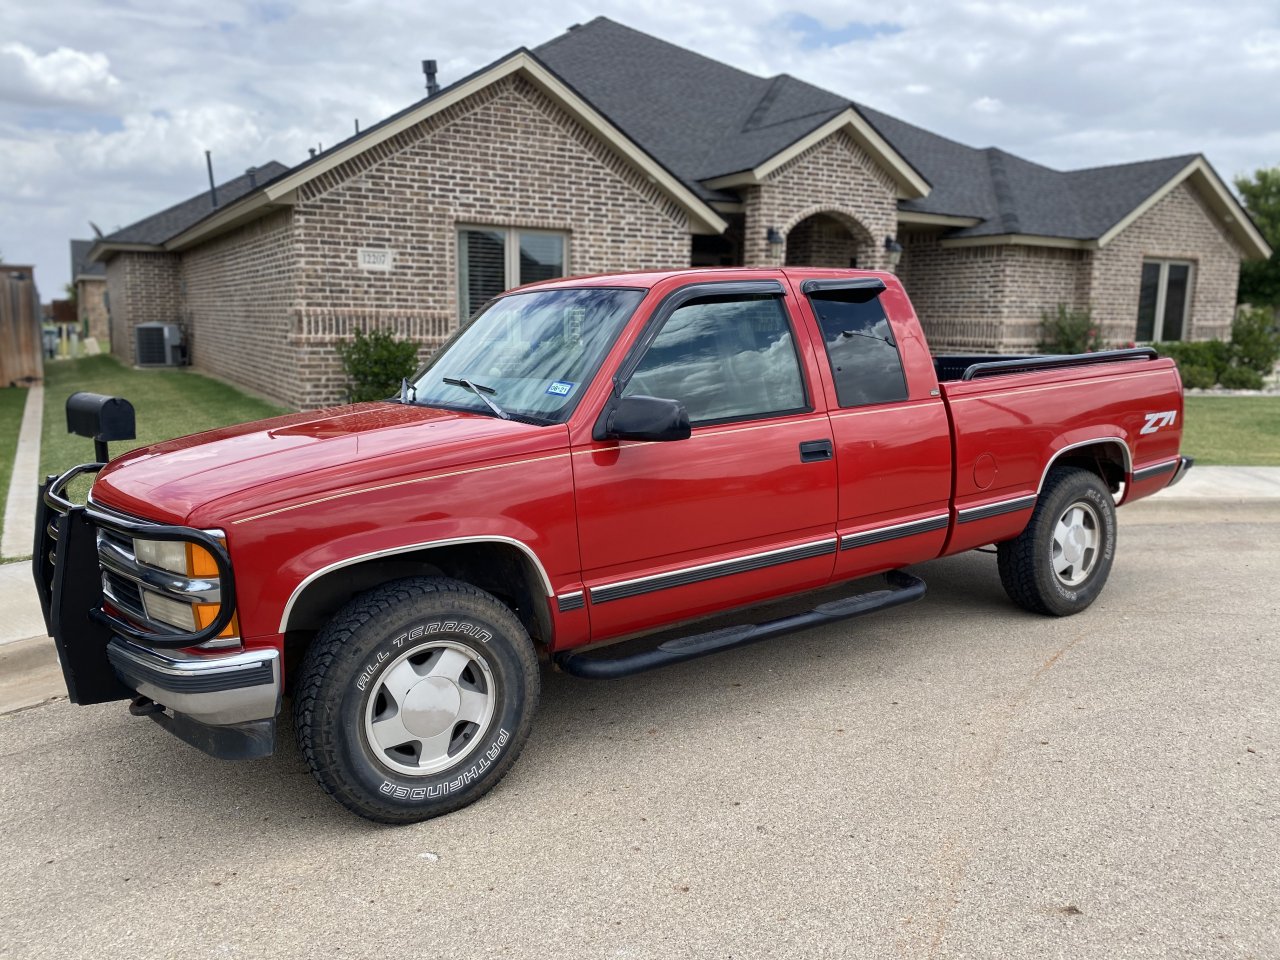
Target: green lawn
12, 400
169, 403
1233, 431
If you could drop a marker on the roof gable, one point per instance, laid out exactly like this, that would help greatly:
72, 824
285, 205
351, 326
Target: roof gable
703, 119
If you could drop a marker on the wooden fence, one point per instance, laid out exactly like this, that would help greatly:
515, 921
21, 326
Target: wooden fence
21, 349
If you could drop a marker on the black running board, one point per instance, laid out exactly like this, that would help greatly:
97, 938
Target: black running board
903, 588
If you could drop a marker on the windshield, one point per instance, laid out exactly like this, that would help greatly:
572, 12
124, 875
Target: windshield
531, 353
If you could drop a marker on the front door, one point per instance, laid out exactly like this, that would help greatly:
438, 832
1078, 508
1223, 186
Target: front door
741, 511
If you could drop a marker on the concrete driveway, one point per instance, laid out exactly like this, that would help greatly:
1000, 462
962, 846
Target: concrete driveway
952, 779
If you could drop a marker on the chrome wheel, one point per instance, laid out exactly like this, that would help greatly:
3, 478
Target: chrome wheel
1077, 537
430, 708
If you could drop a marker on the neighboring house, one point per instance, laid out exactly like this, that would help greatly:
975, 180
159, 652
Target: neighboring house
89, 278
607, 149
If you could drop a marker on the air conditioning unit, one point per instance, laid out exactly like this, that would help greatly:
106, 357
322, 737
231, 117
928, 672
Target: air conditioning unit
159, 345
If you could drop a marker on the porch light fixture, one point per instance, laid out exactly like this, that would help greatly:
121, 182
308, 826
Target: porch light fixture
774, 238
893, 252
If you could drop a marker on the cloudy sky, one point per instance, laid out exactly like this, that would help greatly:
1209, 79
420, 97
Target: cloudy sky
106, 108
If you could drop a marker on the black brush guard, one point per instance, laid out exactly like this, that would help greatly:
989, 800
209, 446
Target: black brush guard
69, 583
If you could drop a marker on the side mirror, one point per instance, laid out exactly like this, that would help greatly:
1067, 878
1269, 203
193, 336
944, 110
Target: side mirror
646, 418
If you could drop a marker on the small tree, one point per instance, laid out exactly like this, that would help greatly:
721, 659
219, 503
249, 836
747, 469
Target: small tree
1069, 331
375, 363
1260, 279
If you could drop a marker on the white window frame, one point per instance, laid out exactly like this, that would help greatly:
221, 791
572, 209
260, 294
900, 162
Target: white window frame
510, 253
1162, 288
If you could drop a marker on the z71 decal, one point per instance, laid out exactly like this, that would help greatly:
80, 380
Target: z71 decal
1155, 421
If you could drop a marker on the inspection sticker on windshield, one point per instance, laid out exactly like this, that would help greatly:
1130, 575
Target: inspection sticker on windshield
560, 388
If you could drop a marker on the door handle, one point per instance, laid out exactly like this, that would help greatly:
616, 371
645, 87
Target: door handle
815, 451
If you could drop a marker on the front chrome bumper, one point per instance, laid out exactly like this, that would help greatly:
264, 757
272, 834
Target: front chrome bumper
216, 689
223, 704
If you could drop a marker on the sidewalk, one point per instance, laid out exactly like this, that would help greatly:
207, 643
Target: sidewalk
29, 671
1225, 483
20, 503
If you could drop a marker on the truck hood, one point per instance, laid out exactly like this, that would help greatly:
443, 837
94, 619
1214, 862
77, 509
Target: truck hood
208, 478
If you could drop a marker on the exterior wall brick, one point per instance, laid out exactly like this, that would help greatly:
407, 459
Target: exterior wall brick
957, 292
239, 291
835, 177
991, 298
508, 156
264, 305
822, 241
1178, 227
988, 299
141, 288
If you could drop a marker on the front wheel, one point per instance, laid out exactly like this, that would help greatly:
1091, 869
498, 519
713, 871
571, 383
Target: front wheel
415, 699
1059, 564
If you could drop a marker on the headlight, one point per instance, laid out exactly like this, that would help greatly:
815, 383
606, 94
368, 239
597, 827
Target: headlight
168, 555
189, 560
173, 612
176, 556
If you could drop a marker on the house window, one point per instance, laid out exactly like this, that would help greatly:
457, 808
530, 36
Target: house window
1164, 299
494, 259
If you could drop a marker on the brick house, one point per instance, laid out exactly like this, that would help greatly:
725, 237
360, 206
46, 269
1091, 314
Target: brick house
607, 149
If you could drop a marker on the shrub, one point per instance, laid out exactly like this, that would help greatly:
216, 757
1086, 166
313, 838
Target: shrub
1254, 341
1196, 377
1241, 378
1211, 355
1069, 331
375, 363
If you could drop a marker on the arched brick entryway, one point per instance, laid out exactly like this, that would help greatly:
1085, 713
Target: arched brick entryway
829, 238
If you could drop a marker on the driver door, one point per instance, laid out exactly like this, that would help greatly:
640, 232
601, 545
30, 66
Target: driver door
744, 509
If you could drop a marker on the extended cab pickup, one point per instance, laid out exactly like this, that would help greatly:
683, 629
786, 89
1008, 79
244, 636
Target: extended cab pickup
587, 460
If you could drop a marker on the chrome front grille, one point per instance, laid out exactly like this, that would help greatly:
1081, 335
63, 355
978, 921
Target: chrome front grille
124, 593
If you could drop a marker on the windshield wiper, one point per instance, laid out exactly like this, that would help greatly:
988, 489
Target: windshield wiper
479, 390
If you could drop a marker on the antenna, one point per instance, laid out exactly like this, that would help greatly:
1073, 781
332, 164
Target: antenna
97, 231
213, 190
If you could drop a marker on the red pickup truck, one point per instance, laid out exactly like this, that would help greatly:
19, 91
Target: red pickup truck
587, 460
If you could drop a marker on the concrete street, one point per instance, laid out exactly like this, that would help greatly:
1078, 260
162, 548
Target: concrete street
951, 779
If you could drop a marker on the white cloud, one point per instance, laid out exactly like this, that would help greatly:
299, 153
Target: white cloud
62, 76
105, 110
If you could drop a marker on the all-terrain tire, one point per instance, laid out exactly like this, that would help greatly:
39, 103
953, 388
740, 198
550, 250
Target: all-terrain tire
409, 652
1059, 564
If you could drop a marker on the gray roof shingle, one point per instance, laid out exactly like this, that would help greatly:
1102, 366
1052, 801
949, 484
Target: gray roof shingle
168, 223
698, 117
81, 266
704, 119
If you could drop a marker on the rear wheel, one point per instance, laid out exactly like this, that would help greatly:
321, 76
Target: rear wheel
1059, 564
416, 699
